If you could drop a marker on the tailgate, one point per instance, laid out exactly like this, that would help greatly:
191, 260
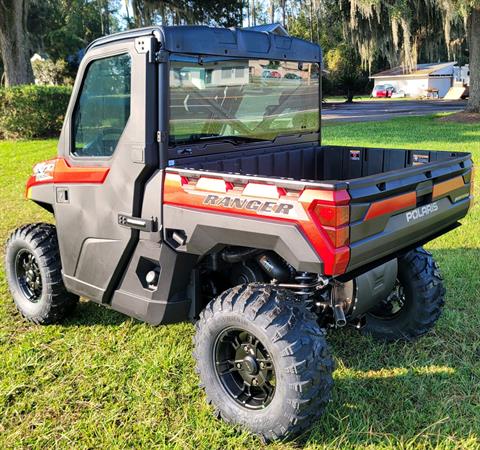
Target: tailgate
396, 210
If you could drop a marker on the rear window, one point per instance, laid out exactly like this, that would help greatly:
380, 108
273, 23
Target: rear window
215, 98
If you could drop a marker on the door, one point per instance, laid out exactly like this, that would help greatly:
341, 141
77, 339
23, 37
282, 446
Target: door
109, 150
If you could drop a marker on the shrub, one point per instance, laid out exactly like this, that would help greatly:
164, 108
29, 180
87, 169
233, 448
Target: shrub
50, 72
32, 111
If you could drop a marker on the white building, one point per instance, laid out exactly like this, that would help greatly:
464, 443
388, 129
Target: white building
462, 74
215, 72
424, 79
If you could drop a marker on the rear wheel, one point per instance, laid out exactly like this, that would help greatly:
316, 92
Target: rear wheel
414, 305
263, 361
33, 268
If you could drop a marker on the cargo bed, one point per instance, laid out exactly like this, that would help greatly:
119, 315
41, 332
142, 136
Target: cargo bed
398, 198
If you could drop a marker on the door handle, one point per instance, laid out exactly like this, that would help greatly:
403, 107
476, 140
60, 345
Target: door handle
138, 223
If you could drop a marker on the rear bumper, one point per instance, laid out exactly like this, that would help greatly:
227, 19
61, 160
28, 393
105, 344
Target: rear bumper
401, 233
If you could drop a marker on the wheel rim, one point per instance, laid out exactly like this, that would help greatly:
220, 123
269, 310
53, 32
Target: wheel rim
28, 276
245, 368
393, 305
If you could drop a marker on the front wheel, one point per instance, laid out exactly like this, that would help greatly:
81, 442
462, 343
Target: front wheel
415, 304
263, 361
34, 274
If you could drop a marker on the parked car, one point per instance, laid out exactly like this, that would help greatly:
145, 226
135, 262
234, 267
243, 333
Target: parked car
383, 91
399, 94
292, 76
271, 74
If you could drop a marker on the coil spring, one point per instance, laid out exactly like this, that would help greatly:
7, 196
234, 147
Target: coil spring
305, 293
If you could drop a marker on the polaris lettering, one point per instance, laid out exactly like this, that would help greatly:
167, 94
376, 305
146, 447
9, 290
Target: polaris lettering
251, 205
422, 211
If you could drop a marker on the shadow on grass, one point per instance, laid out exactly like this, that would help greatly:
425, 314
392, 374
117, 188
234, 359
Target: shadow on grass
414, 392
389, 395
396, 400
89, 314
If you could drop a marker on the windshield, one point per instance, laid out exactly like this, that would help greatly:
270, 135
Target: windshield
241, 100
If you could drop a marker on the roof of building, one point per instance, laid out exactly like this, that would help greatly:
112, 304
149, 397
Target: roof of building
275, 28
420, 70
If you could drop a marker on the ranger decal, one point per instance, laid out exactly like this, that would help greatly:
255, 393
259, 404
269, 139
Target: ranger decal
252, 205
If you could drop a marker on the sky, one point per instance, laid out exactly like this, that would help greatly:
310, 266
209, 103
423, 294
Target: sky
123, 10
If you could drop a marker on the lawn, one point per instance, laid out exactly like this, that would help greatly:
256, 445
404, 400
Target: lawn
365, 98
102, 380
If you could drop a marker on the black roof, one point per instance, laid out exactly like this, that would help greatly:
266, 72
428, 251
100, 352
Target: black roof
234, 42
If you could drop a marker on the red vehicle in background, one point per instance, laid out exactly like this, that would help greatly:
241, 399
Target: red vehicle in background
383, 91
271, 74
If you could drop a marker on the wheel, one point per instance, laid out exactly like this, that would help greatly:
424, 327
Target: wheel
414, 305
263, 361
33, 268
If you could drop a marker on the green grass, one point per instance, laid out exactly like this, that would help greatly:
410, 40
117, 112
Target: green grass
365, 98
102, 380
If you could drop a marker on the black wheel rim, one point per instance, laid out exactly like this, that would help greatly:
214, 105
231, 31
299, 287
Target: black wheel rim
393, 305
28, 275
244, 368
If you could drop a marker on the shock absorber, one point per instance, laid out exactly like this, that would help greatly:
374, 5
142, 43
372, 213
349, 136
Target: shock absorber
306, 287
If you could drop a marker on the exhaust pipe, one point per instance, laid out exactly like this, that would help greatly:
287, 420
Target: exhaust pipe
339, 316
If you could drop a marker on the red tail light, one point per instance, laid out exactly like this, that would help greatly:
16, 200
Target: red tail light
330, 211
339, 237
329, 226
334, 220
331, 215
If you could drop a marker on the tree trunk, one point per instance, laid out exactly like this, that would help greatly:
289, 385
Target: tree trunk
474, 52
254, 13
311, 20
13, 42
272, 11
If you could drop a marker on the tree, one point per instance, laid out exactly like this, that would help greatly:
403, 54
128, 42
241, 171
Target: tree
344, 70
271, 11
406, 31
473, 25
14, 42
283, 6
226, 13
62, 28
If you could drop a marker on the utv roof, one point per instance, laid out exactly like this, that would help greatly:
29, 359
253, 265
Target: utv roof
233, 42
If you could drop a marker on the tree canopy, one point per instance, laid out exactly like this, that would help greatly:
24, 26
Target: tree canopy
357, 36
408, 31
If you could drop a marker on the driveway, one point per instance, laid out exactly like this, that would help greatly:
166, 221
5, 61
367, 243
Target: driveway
385, 110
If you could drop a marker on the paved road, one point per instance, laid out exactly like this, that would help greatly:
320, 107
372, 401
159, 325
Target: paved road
384, 110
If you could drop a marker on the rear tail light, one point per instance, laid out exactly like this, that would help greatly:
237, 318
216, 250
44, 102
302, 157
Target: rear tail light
339, 237
334, 220
330, 211
331, 215
329, 226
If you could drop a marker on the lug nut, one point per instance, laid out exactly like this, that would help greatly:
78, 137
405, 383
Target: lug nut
255, 382
245, 347
238, 365
262, 365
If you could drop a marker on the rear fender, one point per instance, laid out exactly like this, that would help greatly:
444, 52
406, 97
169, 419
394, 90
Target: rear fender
305, 225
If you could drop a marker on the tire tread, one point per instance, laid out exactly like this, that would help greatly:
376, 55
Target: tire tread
294, 330
42, 237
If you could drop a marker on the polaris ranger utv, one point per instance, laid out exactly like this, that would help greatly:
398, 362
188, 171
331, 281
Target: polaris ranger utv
191, 184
